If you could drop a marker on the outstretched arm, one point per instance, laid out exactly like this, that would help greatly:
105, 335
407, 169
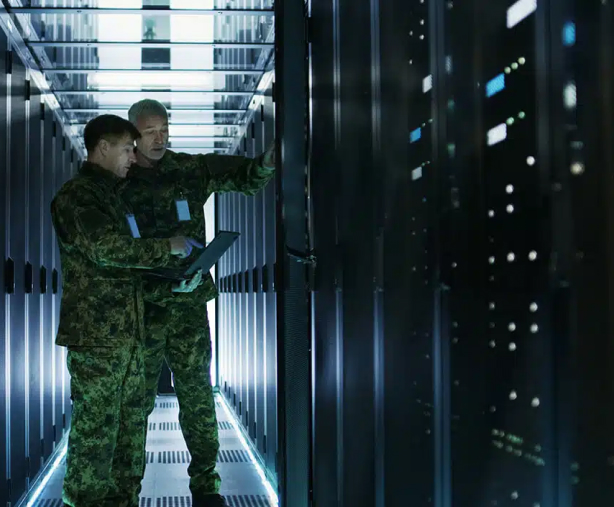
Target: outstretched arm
231, 173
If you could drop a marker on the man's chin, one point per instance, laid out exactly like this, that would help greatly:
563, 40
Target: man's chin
156, 154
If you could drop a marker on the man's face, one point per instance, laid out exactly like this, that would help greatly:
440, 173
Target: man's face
154, 132
119, 156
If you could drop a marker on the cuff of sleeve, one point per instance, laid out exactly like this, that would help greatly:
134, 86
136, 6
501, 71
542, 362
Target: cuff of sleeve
164, 248
266, 169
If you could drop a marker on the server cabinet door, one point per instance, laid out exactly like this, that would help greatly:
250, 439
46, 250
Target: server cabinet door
60, 352
240, 204
224, 330
17, 331
66, 400
259, 308
270, 240
3, 248
236, 307
326, 325
47, 267
251, 353
34, 299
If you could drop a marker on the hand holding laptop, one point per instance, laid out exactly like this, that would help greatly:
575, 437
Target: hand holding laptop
189, 285
182, 247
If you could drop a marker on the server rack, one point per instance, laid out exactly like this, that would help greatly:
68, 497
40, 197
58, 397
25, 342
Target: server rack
487, 156
246, 343
35, 384
247, 307
6, 284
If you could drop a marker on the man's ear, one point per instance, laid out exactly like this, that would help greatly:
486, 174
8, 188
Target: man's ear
103, 147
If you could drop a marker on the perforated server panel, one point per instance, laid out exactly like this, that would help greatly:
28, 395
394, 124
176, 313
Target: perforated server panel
247, 305
37, 159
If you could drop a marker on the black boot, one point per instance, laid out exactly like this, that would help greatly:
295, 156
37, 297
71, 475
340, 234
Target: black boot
209, 501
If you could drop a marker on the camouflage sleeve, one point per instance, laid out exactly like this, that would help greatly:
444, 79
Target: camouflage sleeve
82, 224
231, 173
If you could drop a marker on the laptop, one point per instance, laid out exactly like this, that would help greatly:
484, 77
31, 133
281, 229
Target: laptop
205, 261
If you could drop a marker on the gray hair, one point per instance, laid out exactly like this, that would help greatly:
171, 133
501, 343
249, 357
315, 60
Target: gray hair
145, 108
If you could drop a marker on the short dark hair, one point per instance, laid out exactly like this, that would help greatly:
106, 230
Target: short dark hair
109, 127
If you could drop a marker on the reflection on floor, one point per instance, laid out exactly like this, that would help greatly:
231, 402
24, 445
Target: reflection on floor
166, 477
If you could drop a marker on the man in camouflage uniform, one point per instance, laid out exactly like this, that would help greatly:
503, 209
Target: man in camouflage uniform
101, 320
167, 191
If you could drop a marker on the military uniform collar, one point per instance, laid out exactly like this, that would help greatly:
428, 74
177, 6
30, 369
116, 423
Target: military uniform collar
138, 172
100, 173
165, 164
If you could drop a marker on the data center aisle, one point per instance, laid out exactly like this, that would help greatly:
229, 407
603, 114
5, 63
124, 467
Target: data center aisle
166, 478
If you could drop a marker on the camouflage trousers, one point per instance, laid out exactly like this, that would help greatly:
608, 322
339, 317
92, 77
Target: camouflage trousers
180, 333
106, 446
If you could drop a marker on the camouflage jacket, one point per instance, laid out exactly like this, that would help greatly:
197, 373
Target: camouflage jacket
190, 180
101, 299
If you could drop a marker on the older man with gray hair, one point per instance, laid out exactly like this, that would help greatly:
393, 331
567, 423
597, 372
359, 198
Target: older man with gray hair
166, 191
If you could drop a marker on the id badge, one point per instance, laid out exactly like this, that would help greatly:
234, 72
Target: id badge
134, 228
183, 210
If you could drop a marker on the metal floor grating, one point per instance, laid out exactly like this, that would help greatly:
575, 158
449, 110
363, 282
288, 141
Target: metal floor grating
49, 502
186, 501
166, 479
174, 426
179, 457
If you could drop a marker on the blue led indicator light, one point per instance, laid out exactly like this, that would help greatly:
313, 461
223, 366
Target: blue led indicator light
495, 85
569, 34
415, 135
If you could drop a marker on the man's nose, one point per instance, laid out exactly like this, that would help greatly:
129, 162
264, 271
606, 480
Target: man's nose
132, 156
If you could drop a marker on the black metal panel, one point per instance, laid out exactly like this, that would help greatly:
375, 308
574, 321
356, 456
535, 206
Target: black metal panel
586, 177
59, 352
17, 363
463, 260
64, 375
241, 300
251, 330
234, 313
4, 444
66, 398
221, 272
48, 262
293, 306
36, 360
235, 375
327, 365
224, 336
248, 311
237, 320
270, 256
229, 333
259, 298
355, 219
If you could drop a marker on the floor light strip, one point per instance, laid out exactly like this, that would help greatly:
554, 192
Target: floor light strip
236, 425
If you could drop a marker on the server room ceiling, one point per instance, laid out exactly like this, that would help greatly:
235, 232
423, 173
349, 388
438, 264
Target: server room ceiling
206, 60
